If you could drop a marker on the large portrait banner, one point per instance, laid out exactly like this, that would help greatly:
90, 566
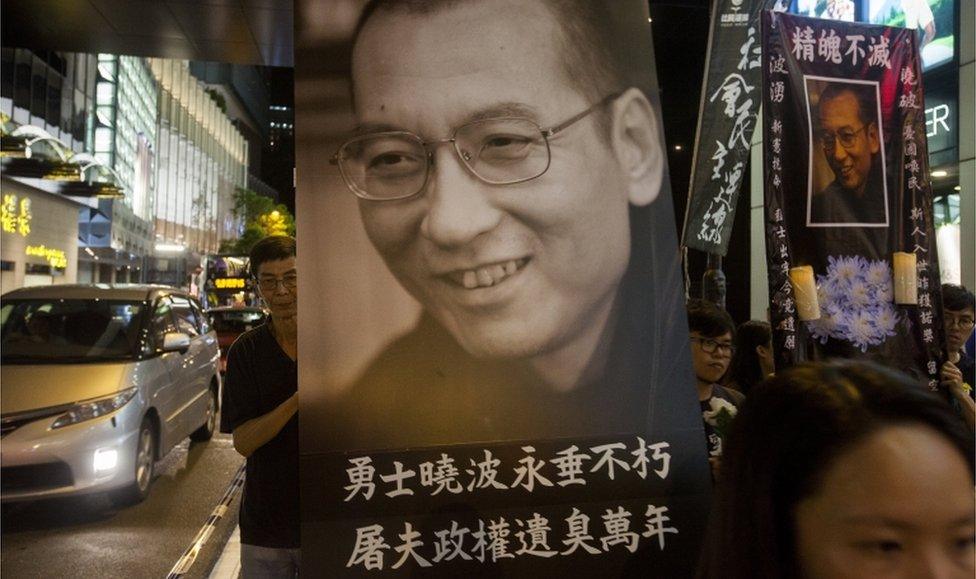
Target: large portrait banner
494, 368
850, 237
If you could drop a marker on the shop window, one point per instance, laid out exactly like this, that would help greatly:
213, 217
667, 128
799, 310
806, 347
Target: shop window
38, 269
7, 265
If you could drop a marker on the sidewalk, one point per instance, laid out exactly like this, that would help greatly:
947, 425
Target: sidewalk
229, 564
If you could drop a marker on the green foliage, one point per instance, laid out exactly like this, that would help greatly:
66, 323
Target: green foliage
218, 99
262, 217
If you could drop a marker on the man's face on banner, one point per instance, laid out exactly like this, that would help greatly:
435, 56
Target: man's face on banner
848, 143
510, 270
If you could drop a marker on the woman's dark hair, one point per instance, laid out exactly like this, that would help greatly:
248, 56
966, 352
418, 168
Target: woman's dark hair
745, 370
271, 248
708, 319
787, 434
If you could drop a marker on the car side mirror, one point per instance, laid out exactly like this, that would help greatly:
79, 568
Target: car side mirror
176, 342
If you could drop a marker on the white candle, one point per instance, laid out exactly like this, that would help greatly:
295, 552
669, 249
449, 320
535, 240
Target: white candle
805, 291
906, 278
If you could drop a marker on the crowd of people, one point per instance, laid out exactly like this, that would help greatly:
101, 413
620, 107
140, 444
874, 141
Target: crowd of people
835, 469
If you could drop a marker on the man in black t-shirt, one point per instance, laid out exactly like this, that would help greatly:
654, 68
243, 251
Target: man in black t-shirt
712, 332
260, 408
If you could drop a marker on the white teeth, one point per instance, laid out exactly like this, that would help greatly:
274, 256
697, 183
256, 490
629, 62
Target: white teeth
488, 275
497, 273
484, 277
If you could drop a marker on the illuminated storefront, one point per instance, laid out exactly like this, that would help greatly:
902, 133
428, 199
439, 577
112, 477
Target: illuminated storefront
38, 237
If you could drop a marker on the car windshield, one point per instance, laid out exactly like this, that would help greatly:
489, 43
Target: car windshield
68, 330
236, 321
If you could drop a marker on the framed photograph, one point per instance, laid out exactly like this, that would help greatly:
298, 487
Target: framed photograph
847, 185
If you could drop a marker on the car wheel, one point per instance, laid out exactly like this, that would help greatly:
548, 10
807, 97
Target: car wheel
143, 469
206, 431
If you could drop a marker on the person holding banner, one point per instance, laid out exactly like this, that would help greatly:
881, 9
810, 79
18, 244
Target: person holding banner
506, 167
957, 372
260, 410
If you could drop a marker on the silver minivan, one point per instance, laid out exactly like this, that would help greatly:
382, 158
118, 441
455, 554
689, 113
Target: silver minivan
97, 383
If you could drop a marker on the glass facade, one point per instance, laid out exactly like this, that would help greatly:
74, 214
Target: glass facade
201, 160
174, 152
51, 90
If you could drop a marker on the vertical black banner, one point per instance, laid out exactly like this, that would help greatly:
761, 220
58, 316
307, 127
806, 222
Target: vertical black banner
726, 119
494, 364
848, 197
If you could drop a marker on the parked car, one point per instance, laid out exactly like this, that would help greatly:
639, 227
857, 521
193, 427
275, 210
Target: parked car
230, 322
100, 382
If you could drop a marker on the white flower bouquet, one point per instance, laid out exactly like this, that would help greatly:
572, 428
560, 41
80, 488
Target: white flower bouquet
856, 302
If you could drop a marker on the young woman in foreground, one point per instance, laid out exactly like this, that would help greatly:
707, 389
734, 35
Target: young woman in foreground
844, 470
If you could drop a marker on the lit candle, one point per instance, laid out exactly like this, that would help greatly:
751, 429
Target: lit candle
906, 278
805, 291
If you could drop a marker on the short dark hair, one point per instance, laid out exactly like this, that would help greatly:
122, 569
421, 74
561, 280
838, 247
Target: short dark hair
745, 370
957, 298
708, 319
787, 434
594, 59
864, 94
271, 248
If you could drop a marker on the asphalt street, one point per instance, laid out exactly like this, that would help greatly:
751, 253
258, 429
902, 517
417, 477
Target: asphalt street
88, 537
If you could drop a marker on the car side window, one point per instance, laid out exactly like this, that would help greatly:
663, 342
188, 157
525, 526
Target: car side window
162, 321
204, 324
186, 320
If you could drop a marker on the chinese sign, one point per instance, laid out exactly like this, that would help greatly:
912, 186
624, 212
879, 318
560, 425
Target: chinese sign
846, 188
16, 215
55, 257
547, 506
726, 120
229, 283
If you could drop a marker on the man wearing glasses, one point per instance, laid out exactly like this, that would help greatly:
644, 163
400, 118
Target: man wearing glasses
847, 132
260, 409
506, 168
712, 334
957, 372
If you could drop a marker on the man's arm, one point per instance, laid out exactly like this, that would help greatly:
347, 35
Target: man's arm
255, 433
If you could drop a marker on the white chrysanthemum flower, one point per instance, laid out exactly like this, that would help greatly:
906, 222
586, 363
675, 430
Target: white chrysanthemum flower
885, 294
859, 296
847, 270
878, 273
861, 330
886, 319
717, 405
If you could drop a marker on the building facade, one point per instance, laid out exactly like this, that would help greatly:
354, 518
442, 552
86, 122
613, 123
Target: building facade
147, 130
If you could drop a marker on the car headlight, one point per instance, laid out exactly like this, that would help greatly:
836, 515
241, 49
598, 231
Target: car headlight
94, 408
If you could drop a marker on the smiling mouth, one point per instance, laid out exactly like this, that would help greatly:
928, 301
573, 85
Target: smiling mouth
488, 275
